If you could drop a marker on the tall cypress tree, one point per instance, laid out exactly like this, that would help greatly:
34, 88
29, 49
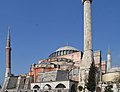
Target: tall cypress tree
91, 83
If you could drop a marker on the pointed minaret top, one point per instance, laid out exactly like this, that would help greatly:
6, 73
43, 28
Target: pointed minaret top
108, 50
8, 37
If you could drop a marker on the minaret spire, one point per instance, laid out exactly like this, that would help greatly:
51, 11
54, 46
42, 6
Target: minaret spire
8, 38
88, 53
8, 55
108, 60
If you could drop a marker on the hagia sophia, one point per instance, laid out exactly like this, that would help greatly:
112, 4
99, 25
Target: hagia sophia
66, 69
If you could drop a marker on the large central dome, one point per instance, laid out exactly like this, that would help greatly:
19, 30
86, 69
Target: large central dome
64, 51
66, 48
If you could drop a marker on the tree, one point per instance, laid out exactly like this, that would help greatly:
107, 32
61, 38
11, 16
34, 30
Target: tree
91, 83
0, 86
108, 89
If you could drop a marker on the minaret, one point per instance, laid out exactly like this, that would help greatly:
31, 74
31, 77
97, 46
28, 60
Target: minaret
8, 56
88, 53
108, 60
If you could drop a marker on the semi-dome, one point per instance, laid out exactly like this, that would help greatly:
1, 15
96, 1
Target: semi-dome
66, 48
64, 51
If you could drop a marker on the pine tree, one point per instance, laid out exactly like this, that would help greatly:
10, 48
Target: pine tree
91, 83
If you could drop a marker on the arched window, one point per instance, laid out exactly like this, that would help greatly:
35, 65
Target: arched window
47, 87
35, 88
80, 88
58, 53
60, 86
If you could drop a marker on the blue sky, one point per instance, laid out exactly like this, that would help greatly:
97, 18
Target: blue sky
39, 27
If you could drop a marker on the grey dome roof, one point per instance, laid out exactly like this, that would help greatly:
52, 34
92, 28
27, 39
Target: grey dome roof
115, 69
63, 51
66, 48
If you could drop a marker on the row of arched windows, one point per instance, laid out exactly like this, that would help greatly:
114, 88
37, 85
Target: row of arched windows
60, 53
47, 87
60, 87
